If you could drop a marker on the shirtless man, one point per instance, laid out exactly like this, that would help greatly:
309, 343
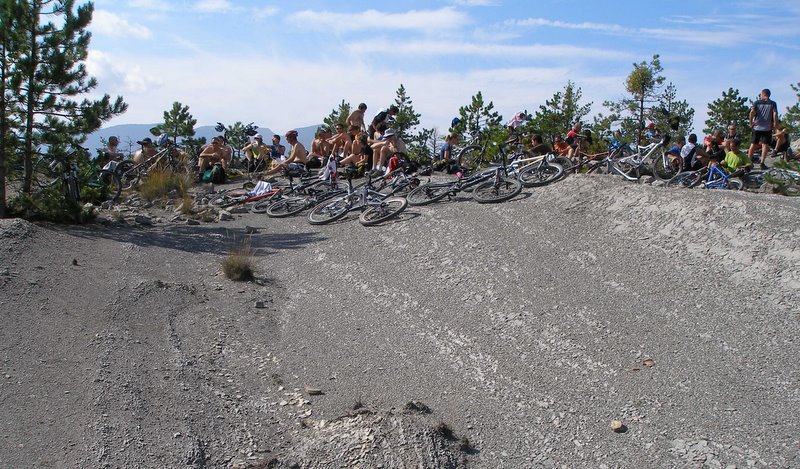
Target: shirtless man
256, 154
320, 148
340, 141
212, 154
357, 118
298, 156
111, 151
147, 151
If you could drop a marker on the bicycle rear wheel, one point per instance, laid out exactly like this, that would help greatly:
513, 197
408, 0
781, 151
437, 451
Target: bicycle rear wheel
684, 179
129, 174
471, 157
496, 190
286, 207
663, 169
330, 210
428, 194
540, 174
108, 183
388, 208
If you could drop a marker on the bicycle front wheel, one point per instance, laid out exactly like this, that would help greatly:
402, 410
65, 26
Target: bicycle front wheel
537, 175
427, 194
330, 211
287, 207
108, 183
71, 190
496, 190
684, 179
387, 209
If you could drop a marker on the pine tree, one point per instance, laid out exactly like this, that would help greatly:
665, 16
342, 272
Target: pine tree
338, 115
729, 109
178, 122
50, 73
406, 119
643, 84
558, 114
10, 45
672, 116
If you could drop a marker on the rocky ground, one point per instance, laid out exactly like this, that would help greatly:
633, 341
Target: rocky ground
460, 335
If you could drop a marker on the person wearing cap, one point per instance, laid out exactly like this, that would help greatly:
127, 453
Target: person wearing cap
357, 118
382, 151
147, 151
111, 151
298, 156
256, 153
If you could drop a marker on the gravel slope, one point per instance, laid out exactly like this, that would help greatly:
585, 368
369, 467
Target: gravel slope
525, 327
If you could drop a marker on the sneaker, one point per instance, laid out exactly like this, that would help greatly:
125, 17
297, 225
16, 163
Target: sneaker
756, 159
763, 167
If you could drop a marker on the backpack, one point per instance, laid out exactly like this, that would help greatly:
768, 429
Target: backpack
215, 175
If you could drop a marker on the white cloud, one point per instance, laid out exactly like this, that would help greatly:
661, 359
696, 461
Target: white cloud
422, 48
110, 24
416, 20
213, 6
117, 77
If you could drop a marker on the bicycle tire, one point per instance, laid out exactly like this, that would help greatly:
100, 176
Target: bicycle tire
129, 174
537, 175
44, 175
565, 163
661, 172
330, 210
735, 184
492, 191
428, 193
286, 207
686, 179
71, 190
109, 184
388, 208
471, 157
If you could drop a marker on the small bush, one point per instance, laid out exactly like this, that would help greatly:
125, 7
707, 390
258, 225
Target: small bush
238, 265
186, 206
47, 205
445, 431
158, 184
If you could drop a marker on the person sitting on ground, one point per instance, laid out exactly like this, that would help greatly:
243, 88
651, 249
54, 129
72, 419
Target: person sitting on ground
674, 153
298, 156
735, 162
732, 132
651, 132
538, 147
574, 139
317, 154
384, 150
714, 146
781, 142
384, 115
147, 151
111, 151
377, 136
358, 154
446, 153
357, 118
213, 153
256, 154
341, 142
561, 146
693, 156
276, 149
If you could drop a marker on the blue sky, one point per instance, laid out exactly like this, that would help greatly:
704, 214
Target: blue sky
286, 64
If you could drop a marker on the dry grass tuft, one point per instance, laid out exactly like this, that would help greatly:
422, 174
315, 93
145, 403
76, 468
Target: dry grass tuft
158, 184
239, 265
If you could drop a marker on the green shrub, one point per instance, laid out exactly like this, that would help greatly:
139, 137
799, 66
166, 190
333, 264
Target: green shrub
48, 205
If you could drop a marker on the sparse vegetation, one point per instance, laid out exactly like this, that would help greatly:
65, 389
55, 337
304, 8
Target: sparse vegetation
445, 431
47, 205
160, 184
239, 265
358, 404
416, 406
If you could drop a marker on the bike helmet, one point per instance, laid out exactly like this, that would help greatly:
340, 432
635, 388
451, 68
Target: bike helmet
162, 140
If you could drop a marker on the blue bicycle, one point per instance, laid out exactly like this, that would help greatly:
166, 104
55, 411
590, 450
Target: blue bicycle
712, 177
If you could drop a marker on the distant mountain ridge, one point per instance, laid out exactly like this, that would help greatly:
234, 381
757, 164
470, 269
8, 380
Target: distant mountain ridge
129, 134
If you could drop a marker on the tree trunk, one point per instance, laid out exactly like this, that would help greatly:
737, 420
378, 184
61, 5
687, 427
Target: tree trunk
30, 103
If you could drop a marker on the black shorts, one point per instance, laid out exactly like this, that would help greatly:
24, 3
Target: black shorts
761, 136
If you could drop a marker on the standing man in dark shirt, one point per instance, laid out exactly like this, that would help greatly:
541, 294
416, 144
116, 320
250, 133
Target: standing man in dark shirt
763, 117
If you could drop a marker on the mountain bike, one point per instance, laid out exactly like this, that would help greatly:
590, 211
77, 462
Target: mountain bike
647, 159
131, 174
488, 186
375, 206
712, 177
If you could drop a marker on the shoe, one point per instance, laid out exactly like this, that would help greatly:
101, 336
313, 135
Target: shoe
756, 159
763, 167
